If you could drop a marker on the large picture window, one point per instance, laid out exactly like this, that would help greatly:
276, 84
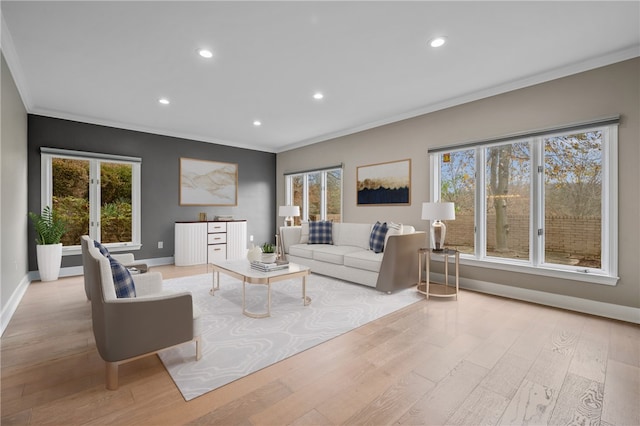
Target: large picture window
317, 192
544, 203
97, 195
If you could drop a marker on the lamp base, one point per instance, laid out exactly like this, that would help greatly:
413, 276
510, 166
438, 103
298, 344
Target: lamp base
438, 232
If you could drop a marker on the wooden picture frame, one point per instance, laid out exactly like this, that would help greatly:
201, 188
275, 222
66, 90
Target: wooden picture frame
384, 183
208, 183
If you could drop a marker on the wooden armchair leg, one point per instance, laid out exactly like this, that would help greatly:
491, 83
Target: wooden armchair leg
111, 379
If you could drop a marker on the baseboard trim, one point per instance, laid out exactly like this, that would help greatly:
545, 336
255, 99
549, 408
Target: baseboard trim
14, 301
586, 306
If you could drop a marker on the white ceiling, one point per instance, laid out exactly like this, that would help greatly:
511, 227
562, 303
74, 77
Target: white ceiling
110, 62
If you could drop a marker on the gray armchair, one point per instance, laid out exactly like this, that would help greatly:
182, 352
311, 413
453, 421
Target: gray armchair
127, 259
126, 329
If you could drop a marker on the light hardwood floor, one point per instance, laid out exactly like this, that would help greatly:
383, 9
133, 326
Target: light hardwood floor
480, 360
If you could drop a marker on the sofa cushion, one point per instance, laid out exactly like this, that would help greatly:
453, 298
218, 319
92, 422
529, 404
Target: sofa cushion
122, 280
333, 254
320, 232
301, 250
364, 259
376, 239
352, 234
304, 232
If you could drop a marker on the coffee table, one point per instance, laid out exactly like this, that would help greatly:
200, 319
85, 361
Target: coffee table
242, 270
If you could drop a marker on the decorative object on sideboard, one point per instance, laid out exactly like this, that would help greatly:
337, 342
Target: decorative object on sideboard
49, 229
436, 213
202, 216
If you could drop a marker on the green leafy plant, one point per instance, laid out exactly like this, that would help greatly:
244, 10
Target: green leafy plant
267, 248
48, 226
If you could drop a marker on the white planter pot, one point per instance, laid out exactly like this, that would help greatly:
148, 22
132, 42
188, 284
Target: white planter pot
49, 260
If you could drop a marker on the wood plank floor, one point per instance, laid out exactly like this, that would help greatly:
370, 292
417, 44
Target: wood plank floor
480, 360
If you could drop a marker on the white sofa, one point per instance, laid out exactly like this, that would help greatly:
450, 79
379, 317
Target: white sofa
349, 257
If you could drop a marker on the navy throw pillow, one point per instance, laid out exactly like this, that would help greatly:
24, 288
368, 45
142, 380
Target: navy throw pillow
320, 232
376, 239
122, 281
102, 249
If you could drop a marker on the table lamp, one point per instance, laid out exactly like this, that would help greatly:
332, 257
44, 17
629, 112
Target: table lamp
437, 212
289, 212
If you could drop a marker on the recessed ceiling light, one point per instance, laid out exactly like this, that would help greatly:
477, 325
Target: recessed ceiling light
437, 41
205, 53
164, 101
257, 123
318, 96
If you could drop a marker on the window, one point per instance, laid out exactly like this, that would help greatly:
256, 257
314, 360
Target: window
543, 203
317, 192
98, 195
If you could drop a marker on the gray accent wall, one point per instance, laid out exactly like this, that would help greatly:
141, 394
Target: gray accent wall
13, 191
160, 179
602, 92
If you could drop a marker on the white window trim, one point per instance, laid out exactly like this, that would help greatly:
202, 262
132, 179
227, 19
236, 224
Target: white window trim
607, 275
304, 212
46, 196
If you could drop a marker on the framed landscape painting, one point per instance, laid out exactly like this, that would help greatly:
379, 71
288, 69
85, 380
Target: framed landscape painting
208, 183
384, 183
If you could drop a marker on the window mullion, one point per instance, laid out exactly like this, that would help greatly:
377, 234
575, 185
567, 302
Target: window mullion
46, 194
323, 195
609, 216
305, 196
537, 202
94, 200
480, 205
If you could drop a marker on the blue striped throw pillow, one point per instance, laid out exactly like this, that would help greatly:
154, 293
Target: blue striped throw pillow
376, 240
102, 249
320, 232
122, 281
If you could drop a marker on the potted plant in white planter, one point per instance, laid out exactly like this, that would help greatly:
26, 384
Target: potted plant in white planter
268, 253
49, 229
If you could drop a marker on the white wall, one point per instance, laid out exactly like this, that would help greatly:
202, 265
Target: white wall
13, 196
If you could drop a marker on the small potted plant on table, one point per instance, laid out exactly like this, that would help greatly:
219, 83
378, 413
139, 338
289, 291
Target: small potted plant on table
268, 253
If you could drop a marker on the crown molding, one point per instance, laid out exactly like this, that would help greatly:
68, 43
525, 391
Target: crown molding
575, 68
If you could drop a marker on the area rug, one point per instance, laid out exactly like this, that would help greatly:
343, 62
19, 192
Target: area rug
235, 345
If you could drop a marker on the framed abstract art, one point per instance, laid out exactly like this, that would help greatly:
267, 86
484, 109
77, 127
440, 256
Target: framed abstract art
208, 183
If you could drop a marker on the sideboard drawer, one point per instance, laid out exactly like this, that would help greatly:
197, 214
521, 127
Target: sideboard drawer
217, 252
216, 238
217, 227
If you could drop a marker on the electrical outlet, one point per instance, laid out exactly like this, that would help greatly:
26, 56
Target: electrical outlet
160, 244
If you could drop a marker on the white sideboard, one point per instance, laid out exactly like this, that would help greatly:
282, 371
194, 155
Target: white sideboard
197, 243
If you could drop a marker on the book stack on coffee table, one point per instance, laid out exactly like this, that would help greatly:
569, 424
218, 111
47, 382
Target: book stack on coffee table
269, 267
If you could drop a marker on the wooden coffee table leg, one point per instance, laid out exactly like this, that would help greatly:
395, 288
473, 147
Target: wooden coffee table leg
252, 314
215, 282
305, 300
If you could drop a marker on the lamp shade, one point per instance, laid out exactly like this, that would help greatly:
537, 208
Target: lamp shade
438, 211
289, 211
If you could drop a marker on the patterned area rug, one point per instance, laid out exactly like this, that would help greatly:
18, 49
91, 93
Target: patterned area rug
235, 345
